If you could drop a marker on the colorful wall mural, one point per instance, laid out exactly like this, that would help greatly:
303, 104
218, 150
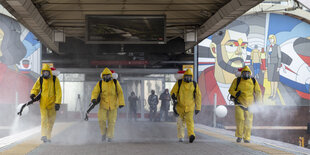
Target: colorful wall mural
20, 57
275, 47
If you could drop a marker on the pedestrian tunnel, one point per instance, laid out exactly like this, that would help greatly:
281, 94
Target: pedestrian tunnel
147, 45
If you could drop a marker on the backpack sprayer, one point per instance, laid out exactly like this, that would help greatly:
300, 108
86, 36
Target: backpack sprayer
175, 102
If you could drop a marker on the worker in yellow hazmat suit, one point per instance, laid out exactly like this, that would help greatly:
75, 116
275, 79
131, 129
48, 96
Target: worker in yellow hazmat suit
111, 98
48, 87
245, 91
187, 101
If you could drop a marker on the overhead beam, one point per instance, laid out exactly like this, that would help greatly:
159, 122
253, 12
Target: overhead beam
119, 70
28, 15
128, 10
131, 3
224, 16
289, 10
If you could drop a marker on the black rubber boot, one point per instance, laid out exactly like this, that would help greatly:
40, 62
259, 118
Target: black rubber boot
181, 140
191, 138
103, 138
44, 139
246, 141
238, 140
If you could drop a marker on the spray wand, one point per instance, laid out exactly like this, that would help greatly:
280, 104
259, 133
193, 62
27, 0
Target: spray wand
236, 101
91, 107
27, 104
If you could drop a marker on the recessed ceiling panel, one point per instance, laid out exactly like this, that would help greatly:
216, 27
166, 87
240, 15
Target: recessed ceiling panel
125, 29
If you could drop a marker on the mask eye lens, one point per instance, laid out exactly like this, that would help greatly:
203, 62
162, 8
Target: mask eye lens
246, 74
187, 78
106, 77
45, 72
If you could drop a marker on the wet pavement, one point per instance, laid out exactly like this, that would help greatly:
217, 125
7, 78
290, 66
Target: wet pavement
139, 138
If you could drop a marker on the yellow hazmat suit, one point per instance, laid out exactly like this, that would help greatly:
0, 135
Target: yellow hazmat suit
110, 101
50, 95
186, 105
244, 118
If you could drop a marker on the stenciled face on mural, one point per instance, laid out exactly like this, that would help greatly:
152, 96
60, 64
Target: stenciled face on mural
233, 48
272, 39
229, 46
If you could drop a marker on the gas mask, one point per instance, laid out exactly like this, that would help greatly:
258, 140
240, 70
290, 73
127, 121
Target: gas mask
107, 77
166, 91
246, 75
46, 74
187, 78
152, 92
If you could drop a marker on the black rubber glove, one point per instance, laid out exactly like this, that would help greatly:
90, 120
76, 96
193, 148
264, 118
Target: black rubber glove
32, 96
94, 101
57, 107
121, 106
196, 112
238, 94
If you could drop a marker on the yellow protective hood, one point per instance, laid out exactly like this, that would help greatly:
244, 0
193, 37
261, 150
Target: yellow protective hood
188, 72
246, 68
106, 71
46, 67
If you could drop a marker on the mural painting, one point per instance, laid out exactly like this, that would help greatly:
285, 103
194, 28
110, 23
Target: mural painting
274, 46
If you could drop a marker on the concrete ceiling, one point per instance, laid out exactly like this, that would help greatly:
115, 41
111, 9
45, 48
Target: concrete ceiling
43, 17
69, 15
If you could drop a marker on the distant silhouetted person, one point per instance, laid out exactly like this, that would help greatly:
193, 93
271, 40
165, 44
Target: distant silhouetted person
132, 99
153, 101
165, 104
